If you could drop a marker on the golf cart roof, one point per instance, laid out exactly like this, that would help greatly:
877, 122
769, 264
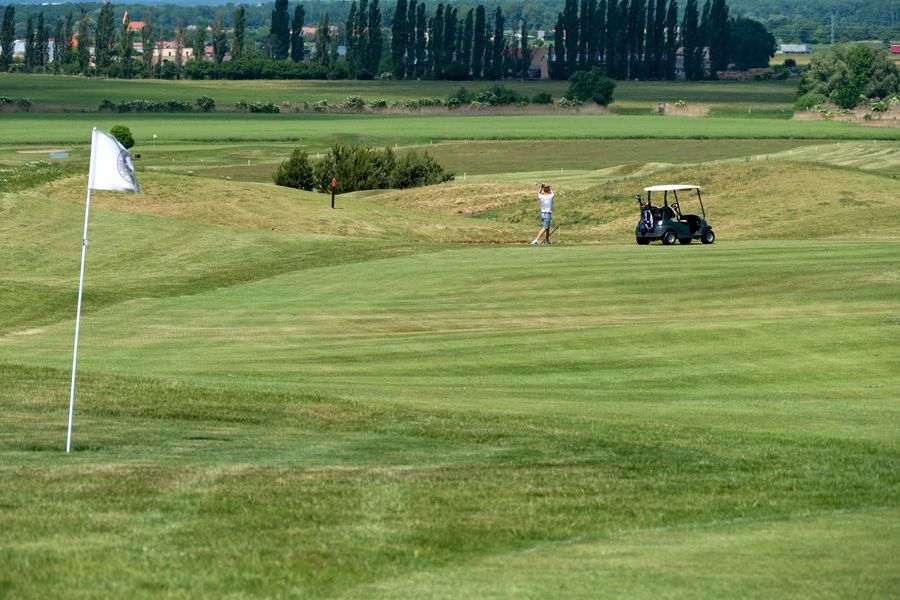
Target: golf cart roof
671, 188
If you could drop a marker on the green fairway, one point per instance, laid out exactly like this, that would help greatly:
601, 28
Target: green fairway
402, 398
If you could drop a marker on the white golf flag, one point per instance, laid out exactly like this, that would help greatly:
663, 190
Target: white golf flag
111, 166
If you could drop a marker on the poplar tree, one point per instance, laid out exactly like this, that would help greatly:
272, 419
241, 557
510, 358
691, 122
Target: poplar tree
622, 35
523, 48
420, 40
468, 31
649, 41
104, 38
7, 37
200, 43
179, 48
219, 40
42, 42
280, 31
375, 41
570, 26
83, 37
659, 41
323, 42
362, 39
410, 42
450, 37
435, 42
126, 48
558, 66
584, 31
478, 42
636, 39
237, 36
29, 44
351, 43
718, 37
398, 40
147, 40
612, 17
68, 34
58, 47
600, 32
690, 40
297, 33
671, 39
498, 45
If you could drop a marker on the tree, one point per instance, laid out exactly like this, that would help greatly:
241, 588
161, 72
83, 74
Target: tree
219, 40
523, 48
68, 35
591, 86
468, 32
751, 44
42, 42
846, 75
375, 41
558, 68
570, 36
410, 42
478, 38
498, 46
105, 38
83, 39
420, 39
612, 21
179, 48
126, 48
123, 134
671, 39
719, 41
58, 47
398, 40
280, 31
237, 36
199, 47
29, 45
147, 40
323, 42
297, 49
295, 172
7, 37
690, 42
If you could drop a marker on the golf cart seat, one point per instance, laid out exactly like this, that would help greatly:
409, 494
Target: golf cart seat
693, 222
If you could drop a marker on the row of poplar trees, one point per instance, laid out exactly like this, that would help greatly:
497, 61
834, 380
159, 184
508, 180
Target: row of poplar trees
445, 46
638, 39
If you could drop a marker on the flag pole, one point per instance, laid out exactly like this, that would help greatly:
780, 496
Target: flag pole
84, 243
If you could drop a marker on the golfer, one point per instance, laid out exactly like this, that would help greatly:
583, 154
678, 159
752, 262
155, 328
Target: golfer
546, 198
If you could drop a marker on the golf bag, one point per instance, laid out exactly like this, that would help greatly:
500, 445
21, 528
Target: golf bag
646, 219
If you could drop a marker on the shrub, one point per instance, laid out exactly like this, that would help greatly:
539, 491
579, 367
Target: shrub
809, 101
206, 103
378, 104
543, 98
295, 172
361, 168
593, 85
353, 103
415, 170
264, 107
320, 106
123, 134
107, 105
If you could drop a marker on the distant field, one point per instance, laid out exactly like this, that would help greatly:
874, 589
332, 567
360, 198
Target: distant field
32, 129
86, 94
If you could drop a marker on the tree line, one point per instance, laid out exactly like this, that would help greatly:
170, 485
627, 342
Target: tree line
630, 39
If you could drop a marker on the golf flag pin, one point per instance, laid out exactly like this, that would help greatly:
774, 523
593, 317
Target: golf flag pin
111, 167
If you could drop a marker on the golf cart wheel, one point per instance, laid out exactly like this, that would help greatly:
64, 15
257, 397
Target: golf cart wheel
668, 238
684, 241
642, 241
708, 237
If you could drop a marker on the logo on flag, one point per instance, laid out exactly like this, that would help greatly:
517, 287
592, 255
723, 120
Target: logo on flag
111, 166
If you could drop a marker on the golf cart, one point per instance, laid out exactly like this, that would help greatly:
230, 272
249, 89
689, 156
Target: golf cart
667, 223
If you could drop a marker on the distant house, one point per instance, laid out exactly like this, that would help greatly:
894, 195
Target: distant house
895, 48
793, 49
